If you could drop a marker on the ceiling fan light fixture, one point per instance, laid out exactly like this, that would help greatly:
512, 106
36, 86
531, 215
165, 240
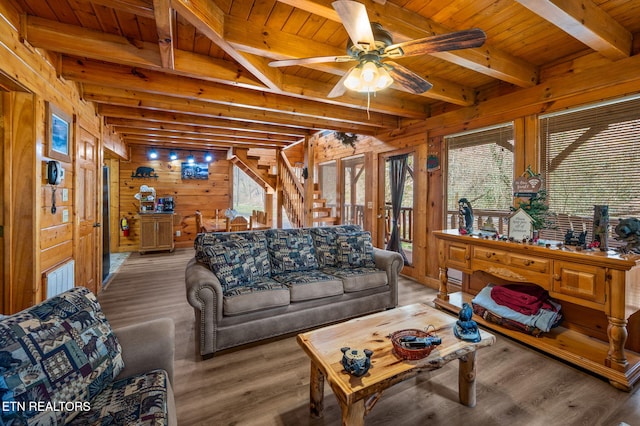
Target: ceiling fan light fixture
384, 79
353, 79
369, 73
368, 77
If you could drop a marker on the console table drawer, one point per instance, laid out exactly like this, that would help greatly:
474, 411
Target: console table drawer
490, 255
532, 263
582, 281
457, 255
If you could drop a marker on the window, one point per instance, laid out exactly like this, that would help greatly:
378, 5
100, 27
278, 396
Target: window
591, 156
353, 173
247, 194
480, 169
327, 183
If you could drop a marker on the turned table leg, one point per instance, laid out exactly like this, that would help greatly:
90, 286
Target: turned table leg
444, 279
617, 333
316, 391
467, 379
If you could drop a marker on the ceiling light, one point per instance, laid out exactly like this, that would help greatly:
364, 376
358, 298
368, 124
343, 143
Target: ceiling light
153, 154
208, 157
191, 159
173, 156
370, 76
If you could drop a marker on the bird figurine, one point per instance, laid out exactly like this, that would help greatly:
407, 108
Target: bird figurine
466, 329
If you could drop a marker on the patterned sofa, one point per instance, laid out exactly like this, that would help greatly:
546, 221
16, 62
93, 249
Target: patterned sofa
249, 286
61, 363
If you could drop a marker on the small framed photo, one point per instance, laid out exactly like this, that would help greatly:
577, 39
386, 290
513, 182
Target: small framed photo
59, 125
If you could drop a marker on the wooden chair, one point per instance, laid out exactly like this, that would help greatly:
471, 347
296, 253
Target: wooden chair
260, 218
199, 222
239, 223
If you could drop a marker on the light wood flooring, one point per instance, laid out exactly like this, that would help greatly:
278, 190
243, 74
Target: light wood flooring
268, 383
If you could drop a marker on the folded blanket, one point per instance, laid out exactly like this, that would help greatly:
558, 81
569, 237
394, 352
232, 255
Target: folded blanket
526, 299
544, 319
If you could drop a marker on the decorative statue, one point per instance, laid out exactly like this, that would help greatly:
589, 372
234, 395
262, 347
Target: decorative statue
628, 230
601, 227
355, 361
465, 213
466, 328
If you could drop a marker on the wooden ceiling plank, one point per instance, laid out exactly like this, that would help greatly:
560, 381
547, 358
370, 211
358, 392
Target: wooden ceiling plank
144, 125
184, 144
124, 130
182, 87
209, 19
585, 21
206, 109
131, 116
407, 25
164, 24
136, 7
196, 137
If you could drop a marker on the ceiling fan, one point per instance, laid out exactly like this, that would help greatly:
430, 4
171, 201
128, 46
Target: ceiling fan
372, 47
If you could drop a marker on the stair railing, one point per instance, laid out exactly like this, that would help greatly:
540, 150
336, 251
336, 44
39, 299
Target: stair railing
292, 193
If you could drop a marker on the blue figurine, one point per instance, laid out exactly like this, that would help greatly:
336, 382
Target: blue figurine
466, 329
465, 213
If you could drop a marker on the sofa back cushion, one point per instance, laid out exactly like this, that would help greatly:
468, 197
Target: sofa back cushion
256, 240
291, 250
59, 351
232, 263
355, 250
324, 241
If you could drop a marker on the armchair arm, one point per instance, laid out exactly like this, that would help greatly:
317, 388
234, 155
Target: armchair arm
147, 346
392, 263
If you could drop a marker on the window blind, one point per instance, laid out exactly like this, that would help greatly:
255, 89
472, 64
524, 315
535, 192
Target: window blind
591, 156
480, 168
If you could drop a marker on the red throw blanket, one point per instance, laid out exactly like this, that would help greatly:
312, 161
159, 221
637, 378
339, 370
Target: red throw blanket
523, 298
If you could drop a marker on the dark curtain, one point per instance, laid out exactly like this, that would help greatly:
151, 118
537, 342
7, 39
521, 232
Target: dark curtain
397, 178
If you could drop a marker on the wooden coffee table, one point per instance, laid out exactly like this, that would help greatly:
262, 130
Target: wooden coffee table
358, 395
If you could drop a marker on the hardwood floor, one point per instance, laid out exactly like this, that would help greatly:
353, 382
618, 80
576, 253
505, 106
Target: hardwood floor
268, 383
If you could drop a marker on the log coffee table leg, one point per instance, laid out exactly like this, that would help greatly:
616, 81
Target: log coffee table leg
353, 415
467, 379
316, 391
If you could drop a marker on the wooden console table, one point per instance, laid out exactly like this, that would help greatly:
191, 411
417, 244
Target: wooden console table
599, 293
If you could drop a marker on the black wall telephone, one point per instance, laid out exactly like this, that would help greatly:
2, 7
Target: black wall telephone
54, 172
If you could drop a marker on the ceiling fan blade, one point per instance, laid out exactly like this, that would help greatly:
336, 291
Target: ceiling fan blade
314, 60
339, 89
439, 43
407, 80
355, 20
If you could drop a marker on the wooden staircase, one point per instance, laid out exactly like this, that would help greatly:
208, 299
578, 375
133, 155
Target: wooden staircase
322, 215
257, 171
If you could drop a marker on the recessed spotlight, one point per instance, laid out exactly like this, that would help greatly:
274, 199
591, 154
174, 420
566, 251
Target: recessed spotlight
153, 154
173, 156
208, 157
191, 159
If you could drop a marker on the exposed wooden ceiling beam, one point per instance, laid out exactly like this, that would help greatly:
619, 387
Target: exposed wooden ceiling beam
170, 104
188, 88
406, 25
136, 7
127, 125
164, 24
588, 23
207, 18
130, 115
78, 41
199, 137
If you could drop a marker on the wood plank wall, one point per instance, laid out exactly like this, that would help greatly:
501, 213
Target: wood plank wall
34, 239
188, 195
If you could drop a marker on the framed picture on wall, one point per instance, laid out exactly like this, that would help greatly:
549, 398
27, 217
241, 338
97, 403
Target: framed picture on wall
58, 134
195, 171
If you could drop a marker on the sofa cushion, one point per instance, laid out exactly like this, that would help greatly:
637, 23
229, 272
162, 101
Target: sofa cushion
358, 279
61, 350
232, 263
308, 285
139, 400
262, 293
256, 239
355, 250
291, 250
324, 241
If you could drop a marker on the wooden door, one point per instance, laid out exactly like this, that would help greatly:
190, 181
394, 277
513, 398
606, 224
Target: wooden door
88, 252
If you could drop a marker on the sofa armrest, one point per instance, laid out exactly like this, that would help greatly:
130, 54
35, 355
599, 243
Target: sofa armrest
392, 263
147, 346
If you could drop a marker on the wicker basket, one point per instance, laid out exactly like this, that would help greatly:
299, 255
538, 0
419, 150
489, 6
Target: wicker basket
409, 353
